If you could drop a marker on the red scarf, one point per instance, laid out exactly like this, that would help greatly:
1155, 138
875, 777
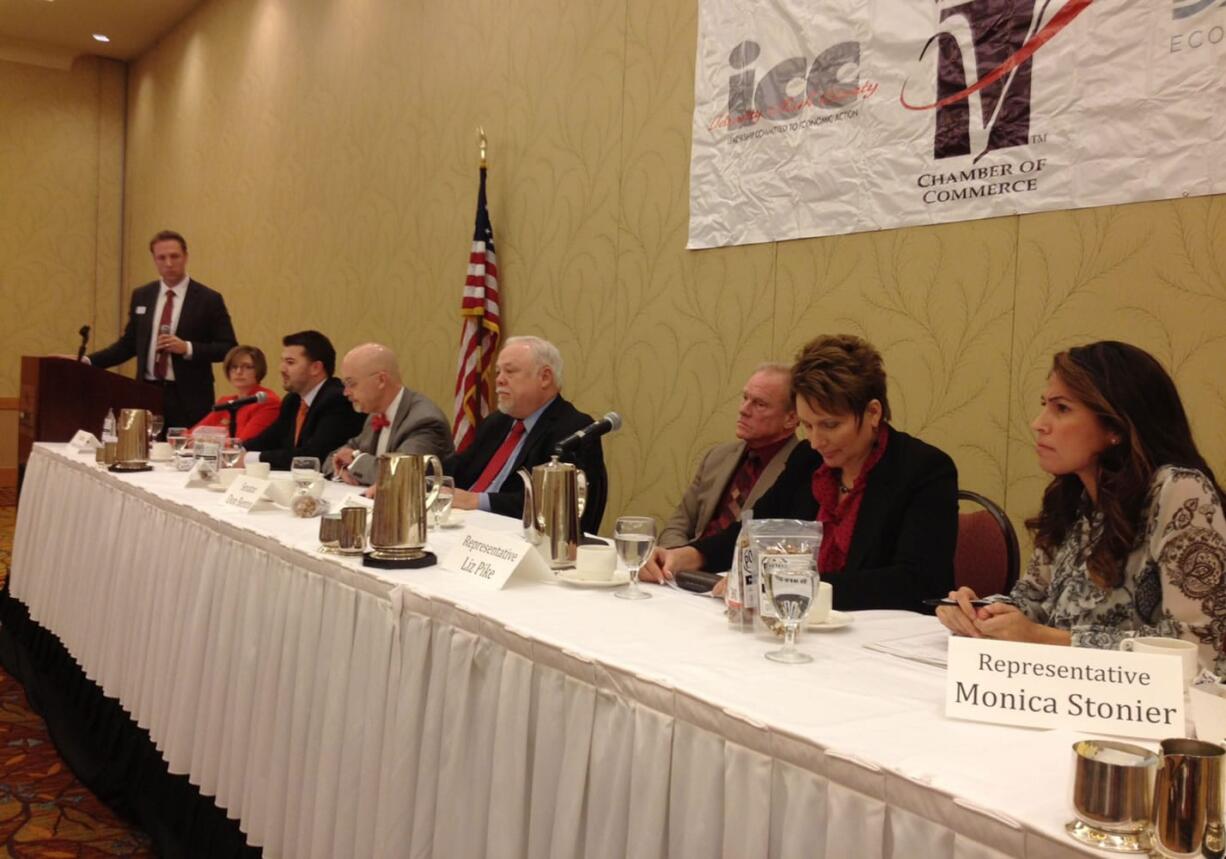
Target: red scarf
838, 511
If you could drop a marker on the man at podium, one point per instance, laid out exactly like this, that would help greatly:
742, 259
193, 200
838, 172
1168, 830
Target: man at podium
177, 329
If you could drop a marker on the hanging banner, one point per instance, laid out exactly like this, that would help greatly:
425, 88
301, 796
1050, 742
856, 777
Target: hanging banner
821, 117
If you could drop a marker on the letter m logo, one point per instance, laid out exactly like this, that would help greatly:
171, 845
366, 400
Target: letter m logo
975, 39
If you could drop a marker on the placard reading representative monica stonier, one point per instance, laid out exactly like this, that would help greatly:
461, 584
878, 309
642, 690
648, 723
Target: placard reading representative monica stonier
1034, 685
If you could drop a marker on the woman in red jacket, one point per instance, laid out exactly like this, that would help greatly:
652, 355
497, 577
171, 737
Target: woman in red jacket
245, 367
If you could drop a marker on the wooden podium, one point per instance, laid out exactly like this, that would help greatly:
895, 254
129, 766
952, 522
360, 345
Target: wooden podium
60, 396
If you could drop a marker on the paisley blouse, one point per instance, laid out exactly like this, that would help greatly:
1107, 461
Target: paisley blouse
1174, 582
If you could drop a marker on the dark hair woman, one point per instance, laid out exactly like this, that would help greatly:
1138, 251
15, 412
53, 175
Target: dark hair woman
1130, 539
887, 501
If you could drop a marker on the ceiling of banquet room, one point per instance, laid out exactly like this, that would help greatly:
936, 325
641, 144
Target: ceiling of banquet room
67, 27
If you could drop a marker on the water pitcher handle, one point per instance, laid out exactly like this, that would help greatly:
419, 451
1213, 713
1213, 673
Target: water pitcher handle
436, 466
581, 480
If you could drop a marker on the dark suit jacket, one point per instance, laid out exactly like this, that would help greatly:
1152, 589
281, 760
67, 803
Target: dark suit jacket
329, 422
558, 421
902, 551
203, 321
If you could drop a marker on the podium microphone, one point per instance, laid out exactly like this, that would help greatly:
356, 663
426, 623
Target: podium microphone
607, 424
84, 332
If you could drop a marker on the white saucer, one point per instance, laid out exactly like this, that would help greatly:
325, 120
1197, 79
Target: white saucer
161, 459
568, 576
215, 487
835, 620
453, 521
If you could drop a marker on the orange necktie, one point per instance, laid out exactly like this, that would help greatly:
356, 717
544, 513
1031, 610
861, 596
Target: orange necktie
300, 420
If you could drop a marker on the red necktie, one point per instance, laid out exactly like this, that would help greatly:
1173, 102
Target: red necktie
300, 420
378, 421
499, 460
162, 363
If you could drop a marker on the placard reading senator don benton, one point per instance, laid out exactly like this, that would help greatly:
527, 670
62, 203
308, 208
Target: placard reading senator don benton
1044, 686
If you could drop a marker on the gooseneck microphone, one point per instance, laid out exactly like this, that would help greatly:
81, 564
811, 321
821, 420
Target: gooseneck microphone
84, 332
239, 403
607, 424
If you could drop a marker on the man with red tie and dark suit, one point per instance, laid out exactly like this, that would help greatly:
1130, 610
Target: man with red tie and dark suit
177, 329
316, 418
532, 418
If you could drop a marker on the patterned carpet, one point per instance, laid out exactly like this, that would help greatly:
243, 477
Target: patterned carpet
44, 811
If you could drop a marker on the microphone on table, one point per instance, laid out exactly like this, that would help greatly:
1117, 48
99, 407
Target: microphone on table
607, 424
84, 332
238, 404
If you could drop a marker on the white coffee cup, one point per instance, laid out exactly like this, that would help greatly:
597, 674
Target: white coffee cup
161, 452
822, 603
281, 490
595, 563
1209, 711
1185, 650
226, 476
258, 470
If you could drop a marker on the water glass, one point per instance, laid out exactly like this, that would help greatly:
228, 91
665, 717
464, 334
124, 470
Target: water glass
304, 470
441, 510
156, 422
177, 436
634, 537
791, 583
232, 453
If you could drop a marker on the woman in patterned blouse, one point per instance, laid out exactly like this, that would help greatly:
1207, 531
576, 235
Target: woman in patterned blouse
1131, 537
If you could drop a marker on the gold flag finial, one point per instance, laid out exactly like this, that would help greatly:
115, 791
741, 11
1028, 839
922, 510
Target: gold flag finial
481, 137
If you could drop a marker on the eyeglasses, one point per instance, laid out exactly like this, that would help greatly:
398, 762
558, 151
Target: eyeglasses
351, 383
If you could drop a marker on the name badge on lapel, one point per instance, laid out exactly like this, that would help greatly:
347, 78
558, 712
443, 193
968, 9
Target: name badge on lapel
140, 311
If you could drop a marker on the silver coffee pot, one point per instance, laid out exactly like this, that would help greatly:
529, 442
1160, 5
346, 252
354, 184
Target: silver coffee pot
555, 495
132, 450
398, 525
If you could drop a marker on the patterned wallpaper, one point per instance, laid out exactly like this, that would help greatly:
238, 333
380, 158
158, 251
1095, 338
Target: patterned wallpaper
321, 158
61, 163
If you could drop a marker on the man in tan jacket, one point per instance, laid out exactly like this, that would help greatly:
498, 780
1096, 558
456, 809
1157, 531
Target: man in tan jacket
735, 474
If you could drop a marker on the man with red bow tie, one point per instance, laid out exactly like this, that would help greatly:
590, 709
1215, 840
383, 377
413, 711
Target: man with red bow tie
400, 420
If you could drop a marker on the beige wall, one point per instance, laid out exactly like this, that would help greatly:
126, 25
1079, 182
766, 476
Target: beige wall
321, 158
61, 165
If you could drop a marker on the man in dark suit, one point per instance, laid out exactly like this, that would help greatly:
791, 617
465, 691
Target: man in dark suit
177, 329
399, 420
315, 417
532, 418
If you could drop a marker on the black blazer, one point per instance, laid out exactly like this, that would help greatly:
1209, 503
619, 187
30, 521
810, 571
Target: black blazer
330, 422
558, 421
902, 551
203, 321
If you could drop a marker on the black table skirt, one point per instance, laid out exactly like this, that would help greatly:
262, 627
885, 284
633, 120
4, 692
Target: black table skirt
109, 753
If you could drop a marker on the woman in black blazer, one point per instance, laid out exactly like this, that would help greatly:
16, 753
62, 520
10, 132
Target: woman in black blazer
891, 501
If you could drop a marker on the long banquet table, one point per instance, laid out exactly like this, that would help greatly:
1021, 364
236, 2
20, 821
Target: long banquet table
339, 711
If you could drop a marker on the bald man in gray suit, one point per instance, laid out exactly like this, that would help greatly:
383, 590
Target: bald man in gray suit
399, 420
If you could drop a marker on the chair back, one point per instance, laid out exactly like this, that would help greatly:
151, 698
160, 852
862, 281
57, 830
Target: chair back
987, 559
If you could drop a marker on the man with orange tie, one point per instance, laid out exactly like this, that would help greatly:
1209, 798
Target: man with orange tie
177, 329
401, 420
315, 417
532, 418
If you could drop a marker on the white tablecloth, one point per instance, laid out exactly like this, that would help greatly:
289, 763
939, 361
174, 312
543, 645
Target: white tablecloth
337, 711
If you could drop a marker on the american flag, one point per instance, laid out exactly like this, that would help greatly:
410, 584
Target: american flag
482, 330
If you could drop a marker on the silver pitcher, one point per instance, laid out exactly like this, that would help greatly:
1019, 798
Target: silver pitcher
1188, 806
132, 450
554, 497
398, 527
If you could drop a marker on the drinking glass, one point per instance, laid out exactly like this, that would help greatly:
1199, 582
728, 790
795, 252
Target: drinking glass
177, 436
791, 582
634, 537
156, 422
232, 453
303, 470
442, 504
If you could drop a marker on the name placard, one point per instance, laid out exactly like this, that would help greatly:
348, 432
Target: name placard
84, 442
1077, 688
245, 492
492, 557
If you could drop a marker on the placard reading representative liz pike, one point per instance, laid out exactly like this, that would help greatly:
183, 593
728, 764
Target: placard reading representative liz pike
1041, 686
